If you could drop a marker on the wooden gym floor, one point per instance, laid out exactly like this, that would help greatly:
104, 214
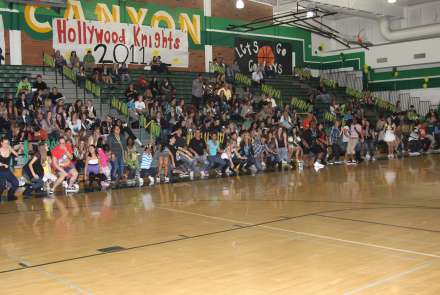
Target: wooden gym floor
366, 229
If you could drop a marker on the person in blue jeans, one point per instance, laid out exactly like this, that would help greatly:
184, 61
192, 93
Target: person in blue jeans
247, 151
118, 146
5, 172
212, 148
147, 159
197, 147
260, 147
281, 144
232, 157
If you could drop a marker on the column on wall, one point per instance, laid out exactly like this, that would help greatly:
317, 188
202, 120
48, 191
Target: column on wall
208, 48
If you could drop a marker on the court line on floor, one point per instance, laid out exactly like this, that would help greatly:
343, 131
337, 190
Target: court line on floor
386, 280
197, 236
46, 273
307, 234
378, 223
163, 242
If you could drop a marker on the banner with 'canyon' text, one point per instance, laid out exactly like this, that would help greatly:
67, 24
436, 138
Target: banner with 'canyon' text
120, 42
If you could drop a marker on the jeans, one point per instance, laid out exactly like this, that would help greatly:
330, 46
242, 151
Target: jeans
235, 161
323, 97
282, 153
38, 182
270, 73
193, 164
118, 165
9, 176
53, 135
358, 146
196, 101
427, 143
215, 159
273, 159
205, 163
251, 160
415, 146
122, 78
369, 145
336, 152
230, 72
131, 172
150, 171
258, 84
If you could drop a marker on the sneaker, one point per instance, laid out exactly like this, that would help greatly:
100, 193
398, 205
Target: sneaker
373, 159
228, 171
411, 154
158, 179
417, 153
141, 181
64, 183
71, 190
284, 162
105, 184
167, 179
354, 162
346, 162
253, 168
264, 164
151, 179
318, 165
428, 152
337, 162
367, 157
191, 174
218, 172
202, 173
329, 163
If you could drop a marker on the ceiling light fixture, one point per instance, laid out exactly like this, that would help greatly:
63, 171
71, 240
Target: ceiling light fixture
392, 1
239, 4
309, 14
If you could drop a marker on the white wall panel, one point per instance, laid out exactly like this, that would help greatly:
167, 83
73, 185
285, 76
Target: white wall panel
428, 14
414, 17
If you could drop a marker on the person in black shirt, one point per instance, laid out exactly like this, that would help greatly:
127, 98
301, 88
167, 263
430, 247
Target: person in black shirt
216, 127
166, 86
55, 95
197, 147
21, 102
177, 155
310, 143
163, 101
182, 146
41, 86
131, 92
207, 127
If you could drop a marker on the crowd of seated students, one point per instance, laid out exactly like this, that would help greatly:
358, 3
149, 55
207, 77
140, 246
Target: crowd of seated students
256, 133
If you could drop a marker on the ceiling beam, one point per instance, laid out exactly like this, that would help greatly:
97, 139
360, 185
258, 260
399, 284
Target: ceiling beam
376, 7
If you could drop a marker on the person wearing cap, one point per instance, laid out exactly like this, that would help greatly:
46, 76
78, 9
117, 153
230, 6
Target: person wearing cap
89, 61
142, 83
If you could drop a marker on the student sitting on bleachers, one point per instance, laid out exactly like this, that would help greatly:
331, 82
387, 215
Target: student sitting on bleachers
41, 86
24, 116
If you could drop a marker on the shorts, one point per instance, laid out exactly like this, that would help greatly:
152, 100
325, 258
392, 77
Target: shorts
67, 169
351, 148
162, 154
316, 149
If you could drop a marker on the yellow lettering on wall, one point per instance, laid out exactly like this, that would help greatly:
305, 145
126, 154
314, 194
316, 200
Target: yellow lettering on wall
74, 10
165, 16
103, 13
193, 28
29, 15
137, 17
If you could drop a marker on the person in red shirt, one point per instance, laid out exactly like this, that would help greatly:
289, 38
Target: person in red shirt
62, 156
142, 83
423, 139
